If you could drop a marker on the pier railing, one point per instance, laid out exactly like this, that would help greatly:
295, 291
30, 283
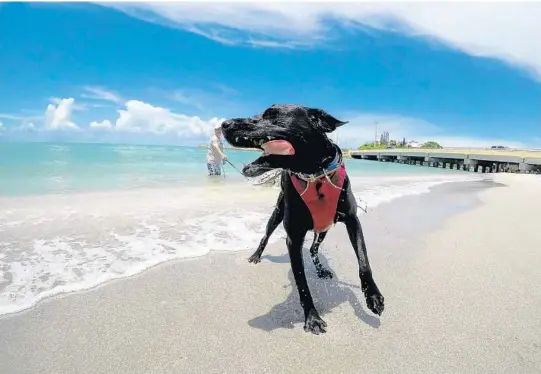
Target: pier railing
516, 152
525, 160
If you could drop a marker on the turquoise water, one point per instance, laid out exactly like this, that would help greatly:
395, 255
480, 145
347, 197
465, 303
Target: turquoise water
73, 216
43, 168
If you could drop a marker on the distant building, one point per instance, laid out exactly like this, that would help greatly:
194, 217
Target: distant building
384, 139
414, 144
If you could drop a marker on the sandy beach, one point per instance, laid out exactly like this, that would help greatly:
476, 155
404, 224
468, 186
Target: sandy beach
461, 286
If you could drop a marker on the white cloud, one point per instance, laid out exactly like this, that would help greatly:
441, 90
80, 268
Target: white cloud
74, 106
362, 128
58, 117
103, 125
99, 93
141, 117
502, 30
136, 117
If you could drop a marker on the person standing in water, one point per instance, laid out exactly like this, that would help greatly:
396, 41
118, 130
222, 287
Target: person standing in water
215, 153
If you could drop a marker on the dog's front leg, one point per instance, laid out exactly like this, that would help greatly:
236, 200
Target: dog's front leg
312, 321
374, 299
322, 272
275, 219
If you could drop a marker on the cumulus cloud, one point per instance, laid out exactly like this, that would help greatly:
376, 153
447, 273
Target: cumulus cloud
141, 117
362, 128
502, 30
74, 106
58, 116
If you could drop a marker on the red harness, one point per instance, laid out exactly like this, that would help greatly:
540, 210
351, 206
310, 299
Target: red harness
321, 196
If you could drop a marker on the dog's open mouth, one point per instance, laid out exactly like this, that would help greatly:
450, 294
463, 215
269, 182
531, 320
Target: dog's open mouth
275, 152
271, 146
272, 158
278, 147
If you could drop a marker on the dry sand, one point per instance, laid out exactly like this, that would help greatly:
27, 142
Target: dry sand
464, 298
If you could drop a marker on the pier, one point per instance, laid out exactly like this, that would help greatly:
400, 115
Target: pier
466, 159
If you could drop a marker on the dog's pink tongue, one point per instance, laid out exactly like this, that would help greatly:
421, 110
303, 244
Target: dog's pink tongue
278, 147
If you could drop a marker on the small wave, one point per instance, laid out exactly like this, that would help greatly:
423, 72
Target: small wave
119, 234
47, 267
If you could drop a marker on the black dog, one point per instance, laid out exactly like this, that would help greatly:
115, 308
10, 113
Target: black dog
275, 219
294, 139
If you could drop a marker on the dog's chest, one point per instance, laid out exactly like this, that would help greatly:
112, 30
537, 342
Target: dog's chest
321, 197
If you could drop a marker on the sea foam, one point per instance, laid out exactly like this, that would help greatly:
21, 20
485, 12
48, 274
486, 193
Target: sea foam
58, 244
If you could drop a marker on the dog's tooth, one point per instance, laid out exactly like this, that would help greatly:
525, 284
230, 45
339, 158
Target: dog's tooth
237, 139
269, 138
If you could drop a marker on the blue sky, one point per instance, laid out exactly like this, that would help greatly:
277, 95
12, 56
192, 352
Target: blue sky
165, 73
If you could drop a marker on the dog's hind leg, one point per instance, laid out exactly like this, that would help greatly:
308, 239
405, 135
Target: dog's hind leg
275, 219
374, 299
322, 272
312, 321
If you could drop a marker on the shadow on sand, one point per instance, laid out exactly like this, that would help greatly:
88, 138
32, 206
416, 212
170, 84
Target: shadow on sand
327, 294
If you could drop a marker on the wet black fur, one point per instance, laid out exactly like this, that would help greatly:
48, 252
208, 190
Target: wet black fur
305, 128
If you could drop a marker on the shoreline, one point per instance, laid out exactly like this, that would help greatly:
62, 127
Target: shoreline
74, 289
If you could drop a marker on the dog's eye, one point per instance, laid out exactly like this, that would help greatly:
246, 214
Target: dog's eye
315, 120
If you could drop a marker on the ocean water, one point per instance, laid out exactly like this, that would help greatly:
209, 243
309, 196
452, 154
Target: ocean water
73, 216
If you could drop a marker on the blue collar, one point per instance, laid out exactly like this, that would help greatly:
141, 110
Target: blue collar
333, 165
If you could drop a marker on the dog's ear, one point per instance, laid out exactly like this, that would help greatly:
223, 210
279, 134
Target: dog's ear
323, 120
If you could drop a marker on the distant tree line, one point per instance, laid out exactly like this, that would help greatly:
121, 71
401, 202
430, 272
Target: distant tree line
431, 145
385, 143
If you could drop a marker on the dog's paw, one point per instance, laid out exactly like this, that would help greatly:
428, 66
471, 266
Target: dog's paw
324, 273
255, 258
314, 323
375, 302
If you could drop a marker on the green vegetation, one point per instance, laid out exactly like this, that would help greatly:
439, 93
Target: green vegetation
370, 146
383, 144
431, 145
397, 144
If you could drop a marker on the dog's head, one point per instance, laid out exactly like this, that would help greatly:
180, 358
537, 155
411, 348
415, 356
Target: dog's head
293, 137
